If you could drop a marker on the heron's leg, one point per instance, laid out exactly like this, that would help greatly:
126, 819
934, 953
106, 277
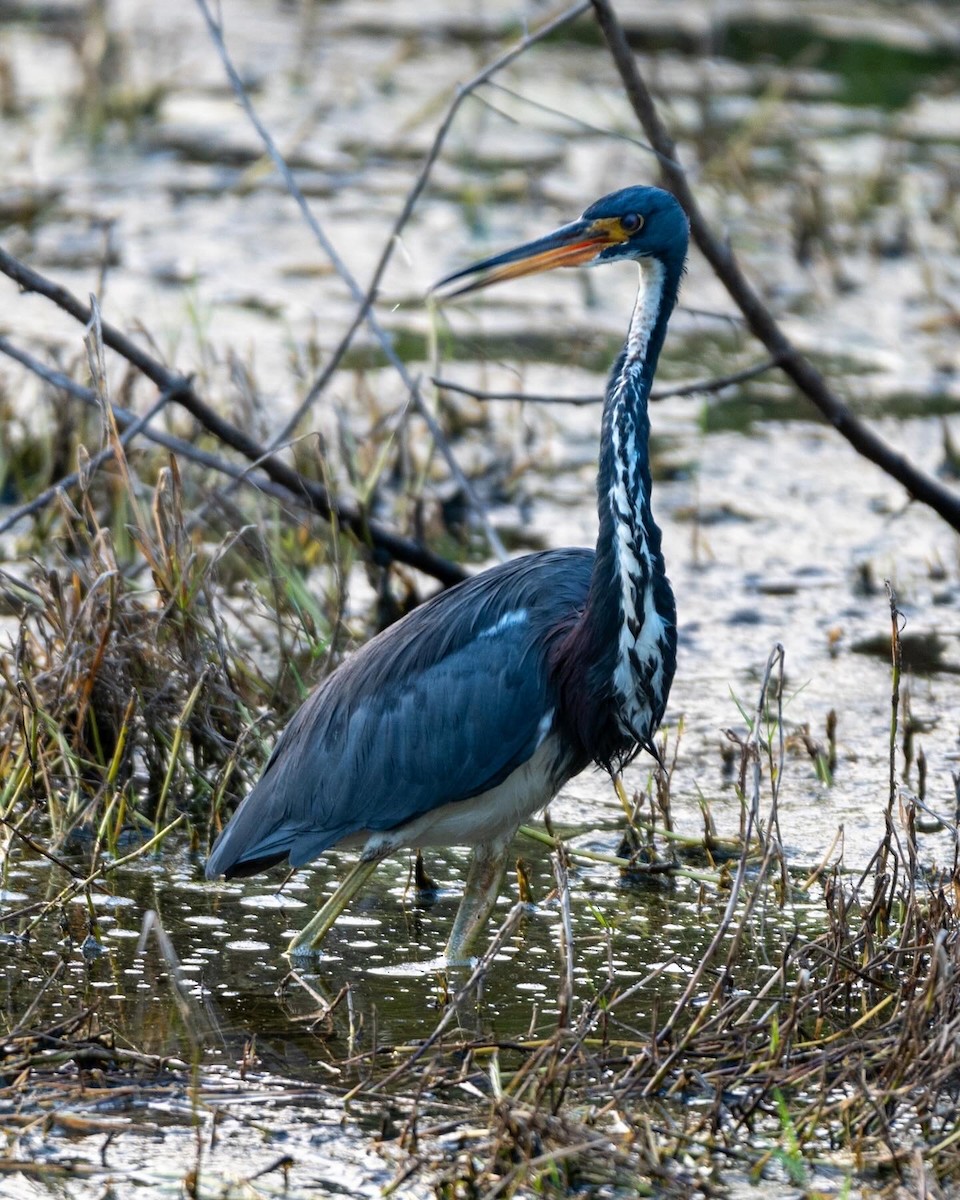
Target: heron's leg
481, 888
316, 930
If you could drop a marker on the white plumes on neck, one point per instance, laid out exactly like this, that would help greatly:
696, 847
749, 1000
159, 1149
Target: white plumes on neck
645, 310
638, 674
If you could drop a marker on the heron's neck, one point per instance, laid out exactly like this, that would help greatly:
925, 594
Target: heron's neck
656, 296
630, 608
624, 483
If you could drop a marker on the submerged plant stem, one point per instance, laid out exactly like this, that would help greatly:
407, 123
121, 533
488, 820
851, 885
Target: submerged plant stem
663, 868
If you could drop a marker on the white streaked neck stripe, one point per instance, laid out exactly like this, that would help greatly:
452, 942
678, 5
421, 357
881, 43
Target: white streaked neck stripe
645, 310
638, 678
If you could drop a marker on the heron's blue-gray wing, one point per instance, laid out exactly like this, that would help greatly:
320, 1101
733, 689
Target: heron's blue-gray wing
440, 707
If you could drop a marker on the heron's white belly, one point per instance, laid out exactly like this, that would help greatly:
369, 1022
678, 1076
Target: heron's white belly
490, 817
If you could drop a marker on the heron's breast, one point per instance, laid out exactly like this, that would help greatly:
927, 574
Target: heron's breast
489, 817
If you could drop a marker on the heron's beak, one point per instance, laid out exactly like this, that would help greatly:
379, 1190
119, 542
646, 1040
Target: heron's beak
572, 245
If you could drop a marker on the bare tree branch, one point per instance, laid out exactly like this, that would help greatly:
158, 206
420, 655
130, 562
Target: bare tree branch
380, 539
760, 320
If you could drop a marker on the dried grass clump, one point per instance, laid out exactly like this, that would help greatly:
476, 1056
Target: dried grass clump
127, 691
840, 1071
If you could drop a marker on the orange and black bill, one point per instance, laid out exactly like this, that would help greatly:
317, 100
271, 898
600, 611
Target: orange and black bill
572, 245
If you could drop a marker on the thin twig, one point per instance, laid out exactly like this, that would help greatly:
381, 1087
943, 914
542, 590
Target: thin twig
617, 135
695, 387
565, 992
122, 416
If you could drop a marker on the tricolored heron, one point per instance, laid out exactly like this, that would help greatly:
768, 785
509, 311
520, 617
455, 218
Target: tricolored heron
455, 724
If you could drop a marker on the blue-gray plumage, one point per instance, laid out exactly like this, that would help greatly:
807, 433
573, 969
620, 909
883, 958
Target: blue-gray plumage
441, 707
454, 725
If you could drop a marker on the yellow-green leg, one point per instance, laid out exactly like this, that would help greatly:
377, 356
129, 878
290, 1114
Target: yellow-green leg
313, 933
481, 889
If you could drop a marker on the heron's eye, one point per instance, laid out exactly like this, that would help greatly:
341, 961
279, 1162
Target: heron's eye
631, 223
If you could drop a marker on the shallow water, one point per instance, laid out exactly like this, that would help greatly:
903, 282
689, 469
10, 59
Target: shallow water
842, 201
228, 985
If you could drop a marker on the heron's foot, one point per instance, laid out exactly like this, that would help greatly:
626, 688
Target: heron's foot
312, 934
481, 889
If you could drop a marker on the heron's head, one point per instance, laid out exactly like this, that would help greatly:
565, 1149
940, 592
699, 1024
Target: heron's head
634, 223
